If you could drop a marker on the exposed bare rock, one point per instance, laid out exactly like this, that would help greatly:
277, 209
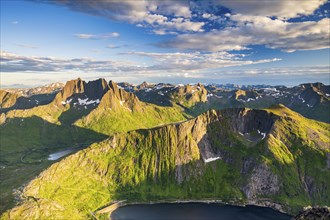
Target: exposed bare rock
262, 182
314, 213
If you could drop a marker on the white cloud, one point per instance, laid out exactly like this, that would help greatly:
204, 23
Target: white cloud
175, 62
163, 62
279, 8
97, 37
11, 62
156, 14
257, 30
172, 67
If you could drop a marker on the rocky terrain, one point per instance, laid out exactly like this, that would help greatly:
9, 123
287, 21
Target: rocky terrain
311, 100
312, 213
165, 143
28, 98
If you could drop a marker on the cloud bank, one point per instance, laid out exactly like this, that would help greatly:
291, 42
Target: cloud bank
199, 25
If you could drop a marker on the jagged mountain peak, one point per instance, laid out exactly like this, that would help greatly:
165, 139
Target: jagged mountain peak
82, 93
116, 99
143, 85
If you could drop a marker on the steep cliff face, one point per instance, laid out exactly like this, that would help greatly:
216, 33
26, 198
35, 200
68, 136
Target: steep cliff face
81, 93
189, 95
119, 111
116, 99
266, 157
7, 99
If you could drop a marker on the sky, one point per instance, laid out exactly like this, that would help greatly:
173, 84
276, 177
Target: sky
275, 42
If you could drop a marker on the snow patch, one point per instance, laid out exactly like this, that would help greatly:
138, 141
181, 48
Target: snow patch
303, 100
211, 159
158, 87
60, 154
262, 134
86, 102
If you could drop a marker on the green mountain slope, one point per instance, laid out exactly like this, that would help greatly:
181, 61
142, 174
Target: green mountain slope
33, 134
273, 157
122, 111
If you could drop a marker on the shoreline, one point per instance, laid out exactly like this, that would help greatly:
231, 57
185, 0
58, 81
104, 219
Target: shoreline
263, 204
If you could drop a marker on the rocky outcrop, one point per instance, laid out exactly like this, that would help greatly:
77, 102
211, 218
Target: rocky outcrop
118, 99
313, 213
262, 182
189, 95
143, 85
314, 93
79, 89
244, 95
7, 99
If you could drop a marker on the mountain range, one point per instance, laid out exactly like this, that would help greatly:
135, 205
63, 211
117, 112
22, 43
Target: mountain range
154, 142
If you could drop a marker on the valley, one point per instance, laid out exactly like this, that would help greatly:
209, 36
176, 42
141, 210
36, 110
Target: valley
161, 142
164, 109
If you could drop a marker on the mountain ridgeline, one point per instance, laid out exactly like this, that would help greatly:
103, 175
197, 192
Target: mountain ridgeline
156, 142
272, 157
78, 115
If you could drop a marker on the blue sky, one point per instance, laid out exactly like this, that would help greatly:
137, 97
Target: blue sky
244, 42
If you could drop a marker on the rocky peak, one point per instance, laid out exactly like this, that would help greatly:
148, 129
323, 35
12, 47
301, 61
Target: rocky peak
117, 99
190, 94
113, 86
143, 85
73, 87
82, 93
238, 93
96, 89
315, 93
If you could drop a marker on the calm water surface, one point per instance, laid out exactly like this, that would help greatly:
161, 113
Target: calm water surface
196, 211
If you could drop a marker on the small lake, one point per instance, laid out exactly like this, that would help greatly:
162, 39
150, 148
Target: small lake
196, 211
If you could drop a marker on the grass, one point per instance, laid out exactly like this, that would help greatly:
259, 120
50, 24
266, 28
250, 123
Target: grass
143, 165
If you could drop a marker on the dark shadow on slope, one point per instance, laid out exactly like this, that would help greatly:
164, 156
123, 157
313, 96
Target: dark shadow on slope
226, 178
30, 102
154, 98
33, 139
70, 116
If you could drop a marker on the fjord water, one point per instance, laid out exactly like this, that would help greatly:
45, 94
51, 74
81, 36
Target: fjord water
196, 211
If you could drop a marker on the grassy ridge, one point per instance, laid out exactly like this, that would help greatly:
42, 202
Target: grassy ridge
107, 121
